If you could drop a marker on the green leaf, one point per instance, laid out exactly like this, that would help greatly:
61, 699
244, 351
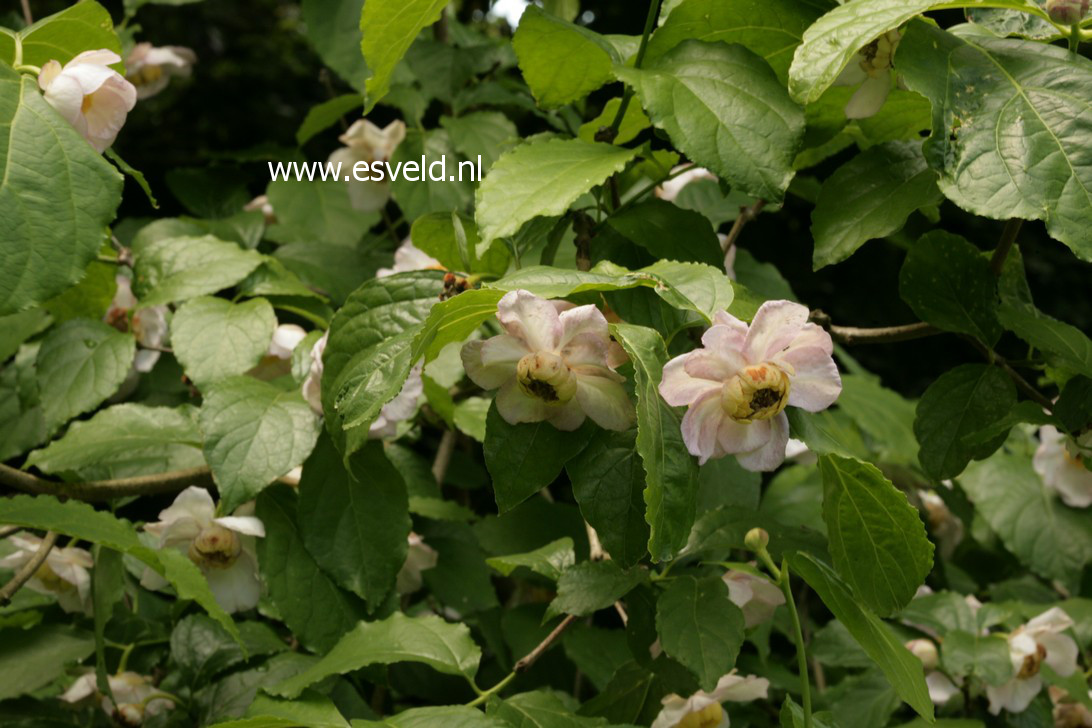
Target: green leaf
668, 231
311, 709
452, 238
548, 561
724, 108
525, 458
80, 364
561, 62
877, 539
422, 194
177, 269
608, 482
870, 196
542, 178
22, 422
203, 649
442, 716
317, 612
700, 626
633, 122
832, 41
214, 339
355, 522
33, 658
593, 585
1035, 93
983, 656
1068, 343
107, 589
901, 668
1051, 539
321, 117
125, 440
334, 31
829, 431
948, 283
539, 709
388, 27
254, 433
316, 212
480, 133
672, 483
960, 402
883, 415
16, 328
429, 640
56, 195
62, 36
771, 29
792, 716
90, 298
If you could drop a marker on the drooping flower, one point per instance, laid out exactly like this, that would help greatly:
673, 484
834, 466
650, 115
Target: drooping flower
704, 710
946, 527
941, 688
409, 257
684, 175
738, 383
136, 695
91, 96
1062, 468
150, 68
64, 574
551, 366
1030, 646
149, 324
366, 142
420, 557
756, 596
223, 548
870, 70
262, 204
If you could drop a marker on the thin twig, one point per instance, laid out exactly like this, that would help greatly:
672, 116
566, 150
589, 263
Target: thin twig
100, 490
443, 456
746, 214
29, 568
27, 15
527, 660
879, 335
1004, 245
1022, 384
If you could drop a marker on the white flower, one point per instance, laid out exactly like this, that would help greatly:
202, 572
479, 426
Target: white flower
149, 325
685, 174
798, 452
91, 96
262, 204
871, 70
941, 688
223, 548
136, 696
286, 338
757, 596
420, 557
1062, 468
63, 575
366, 142
946, 527
150, 69
312, 385
1037, 642
409, 257
550, 366
703, 710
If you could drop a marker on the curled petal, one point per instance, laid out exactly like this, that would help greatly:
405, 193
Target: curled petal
1052, 621
774, 327
714, 364
516, 407
492, 362
530, 318
247, 525
680, 387
193, 502
770, 455
869, 98
816, 383
586, 349
580, 321
701, 425
605, 401
66, 96
726, 334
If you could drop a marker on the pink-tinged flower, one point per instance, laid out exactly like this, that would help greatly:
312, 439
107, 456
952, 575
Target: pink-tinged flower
738, 383
64, 574
685, 174
90, 95
409, 257
1060, 465
366, 142
703, 710
137, 697
223, 548
1030, 646
870, 71
151, 68
756, 596
551, 365
420, 557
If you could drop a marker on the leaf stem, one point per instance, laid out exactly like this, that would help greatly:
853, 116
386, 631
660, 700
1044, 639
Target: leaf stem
1004, 245
798, 636
1075, 38
29, 569
627, 96
123, 661
27, 68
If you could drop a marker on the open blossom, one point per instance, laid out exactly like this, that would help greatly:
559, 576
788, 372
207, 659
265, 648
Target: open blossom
149, 324
135, 693
703, 710
150, 68
90, 95
756, 596
552, 365
366, 142
420, 557
1061, 467
64, 574
409, 257
738, 383
870, 70
1030, 646
223, 548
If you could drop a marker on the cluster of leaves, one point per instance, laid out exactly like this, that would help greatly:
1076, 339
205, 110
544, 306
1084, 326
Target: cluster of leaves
577, 133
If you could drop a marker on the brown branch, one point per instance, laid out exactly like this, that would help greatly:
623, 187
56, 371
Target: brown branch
100, 490
527, 660
443, 456
1022, 384
29, 568
1004, 245
746, 214
880, 335
27, 15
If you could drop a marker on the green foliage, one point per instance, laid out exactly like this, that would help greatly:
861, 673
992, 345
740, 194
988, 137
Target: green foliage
215, 339
561, 62
700, 627
388, 27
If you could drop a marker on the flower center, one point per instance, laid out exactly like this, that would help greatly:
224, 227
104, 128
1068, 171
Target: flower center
1032, 663
879, 53
545, 375
87, 102
146, 75
215, 547
707, 717
756, 393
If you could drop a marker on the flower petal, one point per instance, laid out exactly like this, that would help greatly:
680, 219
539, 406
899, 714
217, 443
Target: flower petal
581, 320
236, 588
774, 327
492, 362
772, 454
605, 401
701, 425
869, 97
248, 525
679, 387
1061, 653
194, 502
567, 417
516, 407
530, 318
816, 383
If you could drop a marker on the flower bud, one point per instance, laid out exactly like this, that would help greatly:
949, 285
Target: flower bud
925, 651
1067, 12
756, 539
